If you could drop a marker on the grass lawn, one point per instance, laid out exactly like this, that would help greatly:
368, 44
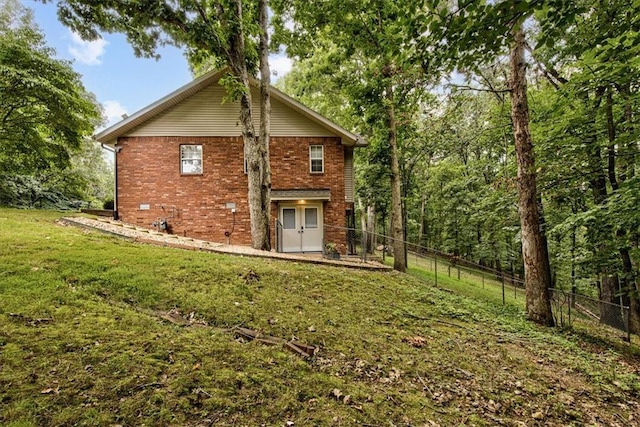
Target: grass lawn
83, 342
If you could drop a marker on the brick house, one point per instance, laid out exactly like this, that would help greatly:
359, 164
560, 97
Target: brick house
180, 167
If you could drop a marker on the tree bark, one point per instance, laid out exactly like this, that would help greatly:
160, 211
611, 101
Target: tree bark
371, 228
261, 218
397, 233
535, 256
609, 293
363, 218
256, 147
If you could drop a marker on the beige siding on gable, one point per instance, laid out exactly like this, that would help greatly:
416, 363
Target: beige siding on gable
204, 114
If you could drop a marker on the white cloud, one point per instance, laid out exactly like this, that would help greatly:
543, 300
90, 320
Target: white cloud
280, 65
87, 52
113, 111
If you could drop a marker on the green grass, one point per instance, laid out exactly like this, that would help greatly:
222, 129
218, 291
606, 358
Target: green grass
472, 283
81, 343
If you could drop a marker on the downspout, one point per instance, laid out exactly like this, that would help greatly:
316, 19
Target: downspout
115, 174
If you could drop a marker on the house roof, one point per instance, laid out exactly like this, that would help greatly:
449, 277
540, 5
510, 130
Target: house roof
110, 135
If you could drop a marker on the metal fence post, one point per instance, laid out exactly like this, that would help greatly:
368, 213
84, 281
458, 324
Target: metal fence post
364, 246
627, 311
436, 267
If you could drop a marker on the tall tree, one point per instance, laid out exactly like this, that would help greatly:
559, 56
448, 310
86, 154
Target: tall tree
370, 35
594, 74
534, 245
45, 112
46, 117
234, 32
465, 35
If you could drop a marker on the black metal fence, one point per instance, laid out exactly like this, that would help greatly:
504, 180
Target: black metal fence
366, 246
569, 307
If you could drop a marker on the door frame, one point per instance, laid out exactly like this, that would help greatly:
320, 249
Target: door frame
313, 246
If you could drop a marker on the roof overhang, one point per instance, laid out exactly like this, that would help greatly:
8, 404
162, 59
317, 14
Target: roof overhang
109, 136
294, 195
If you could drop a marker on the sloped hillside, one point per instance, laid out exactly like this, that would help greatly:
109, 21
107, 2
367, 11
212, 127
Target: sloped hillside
96, 330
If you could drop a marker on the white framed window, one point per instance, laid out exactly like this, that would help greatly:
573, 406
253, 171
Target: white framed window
316, 158
191, 159
311, 217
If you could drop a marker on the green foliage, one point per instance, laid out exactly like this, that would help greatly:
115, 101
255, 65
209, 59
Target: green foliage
458, 164
45, 113
359, 45
206, 30
46, 117
235, 89
586, 120
467, 35
28, 191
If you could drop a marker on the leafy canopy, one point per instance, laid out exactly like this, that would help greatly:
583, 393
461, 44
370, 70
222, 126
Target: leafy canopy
45, 112
208, 30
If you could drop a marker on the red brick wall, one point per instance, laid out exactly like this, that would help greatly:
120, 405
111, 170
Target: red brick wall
148, 170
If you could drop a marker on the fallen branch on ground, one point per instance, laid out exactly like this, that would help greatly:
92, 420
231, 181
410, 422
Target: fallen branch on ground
303, 350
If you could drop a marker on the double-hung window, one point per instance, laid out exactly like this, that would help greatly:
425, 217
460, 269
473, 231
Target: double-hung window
316, 158
191, 159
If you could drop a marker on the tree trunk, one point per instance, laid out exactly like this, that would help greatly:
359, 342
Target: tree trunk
397, 233
371, 228
573, 267
610, 298
256, 148
627, 171
545, 243
628, 285
535, 256
261, 188
363, 216
600, 232
363, 225
423, 202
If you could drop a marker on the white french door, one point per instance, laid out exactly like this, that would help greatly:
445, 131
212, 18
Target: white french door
301, 227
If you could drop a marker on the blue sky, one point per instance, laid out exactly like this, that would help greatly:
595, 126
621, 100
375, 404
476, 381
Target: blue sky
121, 82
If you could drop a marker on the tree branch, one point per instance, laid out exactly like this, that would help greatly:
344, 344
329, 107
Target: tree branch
547, 70
206, 20
466, 87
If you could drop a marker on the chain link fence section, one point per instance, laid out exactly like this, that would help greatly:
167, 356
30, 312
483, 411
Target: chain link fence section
567, 307
368, 246
570, 307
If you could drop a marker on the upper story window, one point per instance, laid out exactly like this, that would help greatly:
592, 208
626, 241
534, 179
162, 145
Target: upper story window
316, 158
191, 159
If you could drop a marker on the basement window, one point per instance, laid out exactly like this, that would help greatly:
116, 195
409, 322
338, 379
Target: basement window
316, 158
191, 159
